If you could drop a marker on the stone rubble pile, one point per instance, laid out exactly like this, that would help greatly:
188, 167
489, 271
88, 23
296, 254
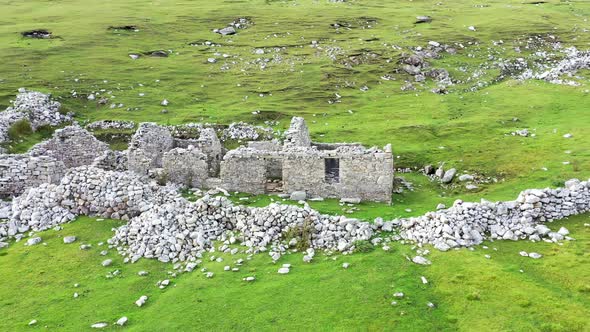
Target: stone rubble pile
165, 226
417, 65
574, 61
81, 191
246, 131
39, 108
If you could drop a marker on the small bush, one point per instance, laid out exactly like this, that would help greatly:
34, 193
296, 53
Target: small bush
363, 246
162, 178
19, 129
473, 296
301, 233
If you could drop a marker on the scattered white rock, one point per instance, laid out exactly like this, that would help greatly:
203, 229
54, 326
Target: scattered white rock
100, 325
122, 321
69, 239
141, 301
421, 260
34, 241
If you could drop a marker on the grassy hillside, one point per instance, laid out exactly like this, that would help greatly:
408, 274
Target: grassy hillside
470, 130
339, 66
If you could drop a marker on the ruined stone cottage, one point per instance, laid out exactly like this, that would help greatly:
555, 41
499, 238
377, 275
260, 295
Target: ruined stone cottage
338, 170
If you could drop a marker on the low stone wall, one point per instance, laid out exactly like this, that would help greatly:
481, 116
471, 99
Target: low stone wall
112, 161
111, 124
467, 224
165, 226
18, 172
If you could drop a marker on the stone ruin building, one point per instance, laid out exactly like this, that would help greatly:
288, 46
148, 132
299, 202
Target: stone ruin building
298, 165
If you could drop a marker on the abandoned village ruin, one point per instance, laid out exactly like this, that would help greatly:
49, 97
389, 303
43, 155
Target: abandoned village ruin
74, 173
318, 169
298, 166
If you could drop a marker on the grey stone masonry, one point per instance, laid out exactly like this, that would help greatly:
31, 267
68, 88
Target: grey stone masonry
244, 170
39, 108
320, 169
73, 145
18, 172
209, 144
342, 170
7, 119
167, 227
356, 173
298, 134
147, 147
186, 166
35, 107
112, 160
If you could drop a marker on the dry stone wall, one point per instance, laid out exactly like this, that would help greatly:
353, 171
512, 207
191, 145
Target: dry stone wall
18, 172
209, 144
72, 145
244, 170
112, 161
37, 108
298, 134
165, 226
186, 166
147, 147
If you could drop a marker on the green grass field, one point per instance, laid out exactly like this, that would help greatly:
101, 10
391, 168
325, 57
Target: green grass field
466, 129
470, 291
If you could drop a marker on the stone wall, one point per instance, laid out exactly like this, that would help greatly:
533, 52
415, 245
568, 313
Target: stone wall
363, 174
148, 146
244, 170
186, 166
298, 134
164, 226
467, 224
72, 145
112, 161
209, 144
18, 172
273, 161
7, 119
39, 108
